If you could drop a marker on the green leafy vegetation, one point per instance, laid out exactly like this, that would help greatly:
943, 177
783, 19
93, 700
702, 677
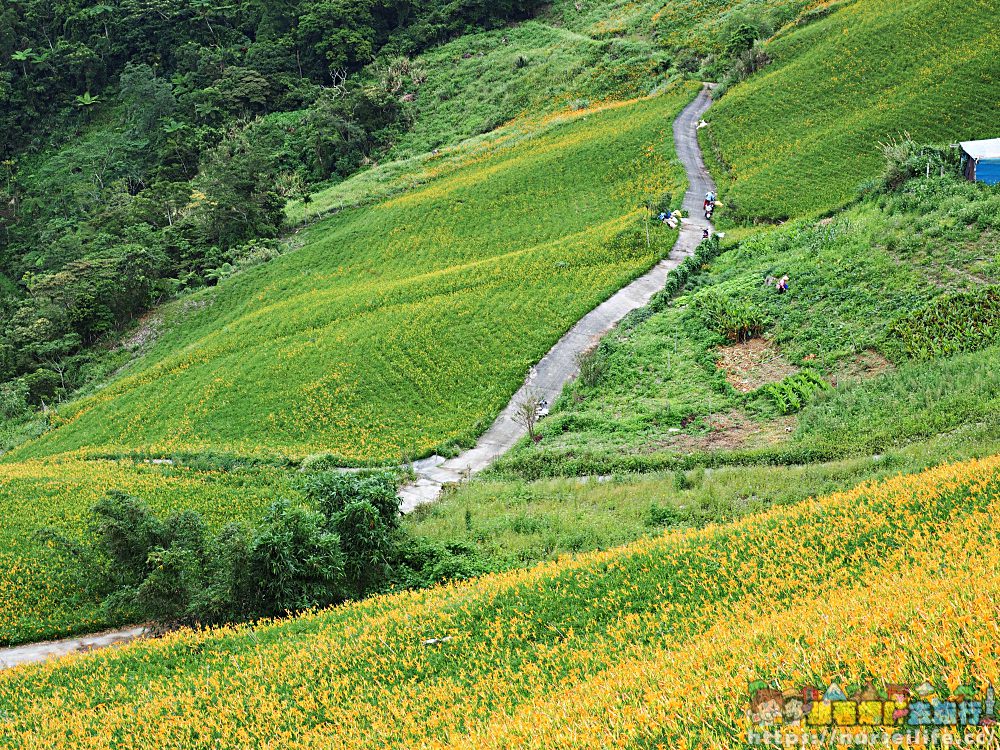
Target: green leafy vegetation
151, 151
916, 401
93, 544
964, 322
344, 544
480, 82
481, 185
794, 392
515, 523
49, 595
173, 140
738, 321
692, 33
801, 136
867, 289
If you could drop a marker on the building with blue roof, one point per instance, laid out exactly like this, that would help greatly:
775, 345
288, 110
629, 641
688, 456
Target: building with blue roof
981, 161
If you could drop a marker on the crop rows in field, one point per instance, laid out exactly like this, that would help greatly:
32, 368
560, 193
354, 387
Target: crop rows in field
605, 649
406, 325
803, 134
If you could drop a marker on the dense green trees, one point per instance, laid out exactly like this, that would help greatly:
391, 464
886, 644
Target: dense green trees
345, 544
146, 141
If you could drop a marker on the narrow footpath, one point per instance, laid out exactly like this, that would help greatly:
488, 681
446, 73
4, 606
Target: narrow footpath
35, 652
547, 378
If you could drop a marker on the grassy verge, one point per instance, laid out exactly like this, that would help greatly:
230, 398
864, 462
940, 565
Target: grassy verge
514, 522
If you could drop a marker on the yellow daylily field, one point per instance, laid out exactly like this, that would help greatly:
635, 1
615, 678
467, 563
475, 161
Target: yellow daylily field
653, 644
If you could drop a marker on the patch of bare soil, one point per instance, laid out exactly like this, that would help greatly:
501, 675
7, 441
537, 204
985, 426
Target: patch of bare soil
729, 431
755, 363
862, 366
145, 333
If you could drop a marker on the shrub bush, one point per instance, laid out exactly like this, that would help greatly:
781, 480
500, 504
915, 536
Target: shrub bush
42, 385
295, 562
703, 254
906, 159
333, 491
13, 399
954, 323
592, 366
176, 569
664, 515
737, 320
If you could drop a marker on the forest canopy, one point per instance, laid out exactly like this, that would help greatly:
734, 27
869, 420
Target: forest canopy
150, 143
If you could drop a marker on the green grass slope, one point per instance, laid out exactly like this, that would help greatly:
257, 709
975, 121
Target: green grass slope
402, 326
664, 391
515, 523
802, 135
481, 81
572, 54
701, 26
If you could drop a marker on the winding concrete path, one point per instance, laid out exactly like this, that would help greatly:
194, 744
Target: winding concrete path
547, 378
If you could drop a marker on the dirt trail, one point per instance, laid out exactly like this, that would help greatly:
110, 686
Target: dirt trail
548, 377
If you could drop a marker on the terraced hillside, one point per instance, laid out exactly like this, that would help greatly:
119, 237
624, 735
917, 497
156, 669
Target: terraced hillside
802, 135
406, 325
605, 649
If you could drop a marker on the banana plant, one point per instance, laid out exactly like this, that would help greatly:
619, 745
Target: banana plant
86, 100
24, 57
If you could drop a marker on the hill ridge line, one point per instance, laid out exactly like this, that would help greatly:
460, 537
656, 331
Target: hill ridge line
559, 365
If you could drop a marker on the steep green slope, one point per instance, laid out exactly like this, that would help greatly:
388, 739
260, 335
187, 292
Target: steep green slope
408, 324
481, 81
668, 388
701, 26
801, 136
572, 54
605, 650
